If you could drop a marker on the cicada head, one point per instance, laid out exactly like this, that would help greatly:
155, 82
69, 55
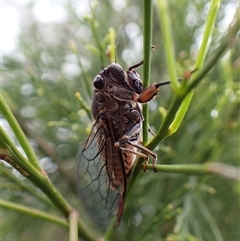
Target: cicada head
113, 75
108, 84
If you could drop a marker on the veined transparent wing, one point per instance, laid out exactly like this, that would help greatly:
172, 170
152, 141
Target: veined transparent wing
100, 196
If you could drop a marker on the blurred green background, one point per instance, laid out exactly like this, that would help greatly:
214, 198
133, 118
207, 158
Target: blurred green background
59, 50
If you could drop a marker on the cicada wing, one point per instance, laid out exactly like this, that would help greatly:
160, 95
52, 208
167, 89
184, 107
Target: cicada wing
99, 199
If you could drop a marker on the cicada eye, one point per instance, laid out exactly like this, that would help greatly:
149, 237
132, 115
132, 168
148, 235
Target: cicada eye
98, 82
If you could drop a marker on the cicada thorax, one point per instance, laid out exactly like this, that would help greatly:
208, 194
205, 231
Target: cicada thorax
119, 117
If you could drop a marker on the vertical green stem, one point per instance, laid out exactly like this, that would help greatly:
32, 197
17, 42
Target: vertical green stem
211, 18
87, 86
212, 14
95, 30
147, 41
165, 23
112, 50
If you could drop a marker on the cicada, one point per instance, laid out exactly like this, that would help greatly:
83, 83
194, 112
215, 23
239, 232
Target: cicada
107, 159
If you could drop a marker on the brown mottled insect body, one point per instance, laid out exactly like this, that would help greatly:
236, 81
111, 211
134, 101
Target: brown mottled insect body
114, 100
110, 151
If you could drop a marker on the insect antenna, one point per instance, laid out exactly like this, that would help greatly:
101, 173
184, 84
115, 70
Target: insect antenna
135, 66
166, 82
101, 66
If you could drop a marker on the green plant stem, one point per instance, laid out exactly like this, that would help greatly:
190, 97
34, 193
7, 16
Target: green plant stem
73, 226
88, 86
45, 147
19, 133
180, 114
226, 43
163, 130
34, 213
112, 50
165, 23
10, 154
210, 23
5, 171
212, 15
95, 30
217, 168
147, 42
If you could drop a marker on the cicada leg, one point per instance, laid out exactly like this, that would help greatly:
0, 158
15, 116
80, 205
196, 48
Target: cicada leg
152, 90
150, 131
145, 154
130, 140
148, 93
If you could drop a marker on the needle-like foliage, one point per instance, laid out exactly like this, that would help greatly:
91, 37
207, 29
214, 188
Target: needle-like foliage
46, 94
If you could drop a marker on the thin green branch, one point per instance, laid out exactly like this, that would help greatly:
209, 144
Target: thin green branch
45, 147
112, 45
19, 133
34, 213
163, 130
180, 114
147, 42
95, 30
210, 23
216, 168
10, 154
5, 171
226, 43
212, 15
165, 23
88, 86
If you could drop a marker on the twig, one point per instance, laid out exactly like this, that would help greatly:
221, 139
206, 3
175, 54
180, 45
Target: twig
217, 168
147, 42
34, 213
